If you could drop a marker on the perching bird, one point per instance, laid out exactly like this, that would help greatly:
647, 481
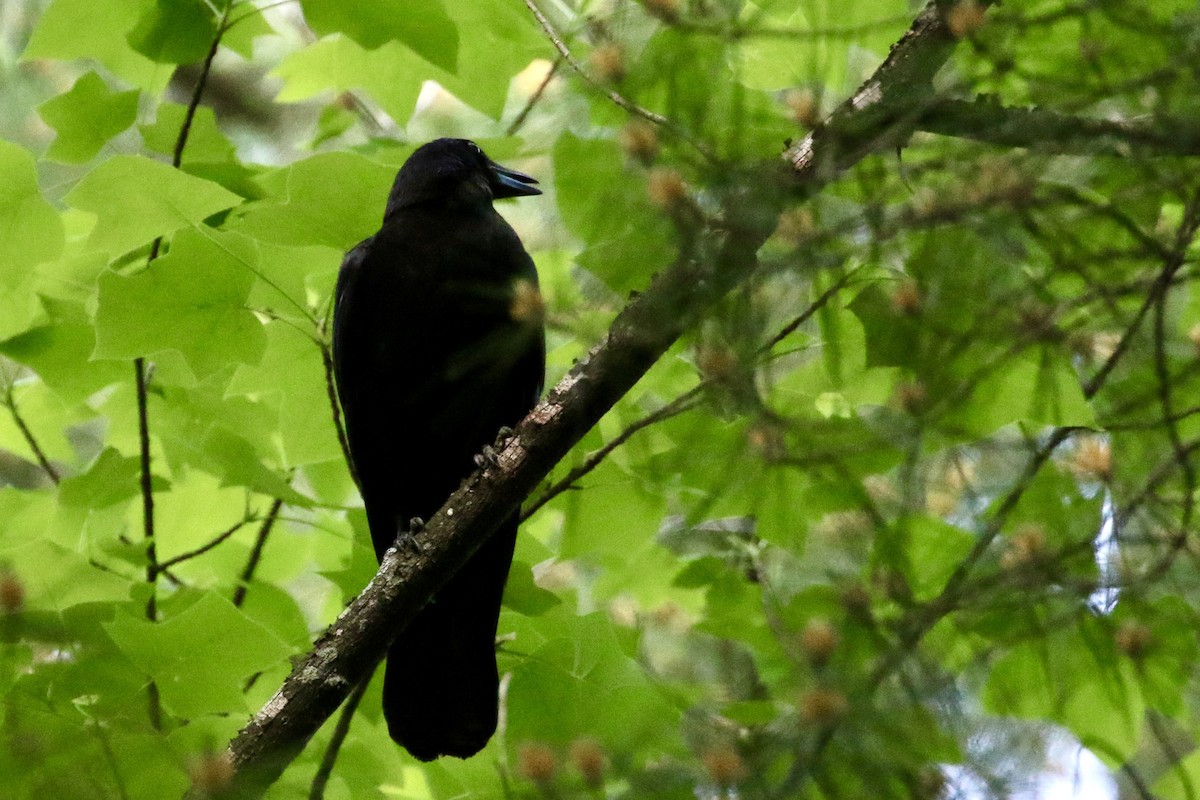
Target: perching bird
437, 345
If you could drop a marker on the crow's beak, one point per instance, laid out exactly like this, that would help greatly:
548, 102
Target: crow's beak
510, 183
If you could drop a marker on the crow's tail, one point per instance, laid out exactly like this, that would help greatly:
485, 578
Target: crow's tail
441, 686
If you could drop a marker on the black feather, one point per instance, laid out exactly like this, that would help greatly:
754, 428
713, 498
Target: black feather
431, 362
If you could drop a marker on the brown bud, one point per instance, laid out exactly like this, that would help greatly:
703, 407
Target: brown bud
608, 62
639, 140
666, 10
819, 640
1036, 321
1027, 546
588, 757
1194, 336
856, 600
724, 764
912, 397
537, 762
906, 298
12, 592
715, 362
767, 439
823, 706
803, 105
212, 773
796, 226
666, 188
931, 784
1134, 639
965, 17
1092, 459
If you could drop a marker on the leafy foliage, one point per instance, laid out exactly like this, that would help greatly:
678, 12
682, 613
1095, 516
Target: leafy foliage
909, 513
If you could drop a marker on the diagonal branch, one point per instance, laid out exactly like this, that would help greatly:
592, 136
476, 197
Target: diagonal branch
611, 94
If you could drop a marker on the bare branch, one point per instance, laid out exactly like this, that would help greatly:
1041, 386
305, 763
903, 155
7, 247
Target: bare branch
612, 94
1051, 132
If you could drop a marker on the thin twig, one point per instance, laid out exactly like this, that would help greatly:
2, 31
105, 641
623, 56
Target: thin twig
680, 404
685, 402
260, 541
111, 758
1183, 240
204, 548
612, 94
321, 779
338, 424
534, 98
141, 379
1049, 131
738, 31
816, 306
30, 440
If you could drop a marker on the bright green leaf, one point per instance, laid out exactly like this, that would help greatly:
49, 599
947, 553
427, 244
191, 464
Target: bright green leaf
422, 25
87, 29
201, 658
626, 238
137, 199
175, 31
86, 117
333, 199
192, 300
32, 232
205, 141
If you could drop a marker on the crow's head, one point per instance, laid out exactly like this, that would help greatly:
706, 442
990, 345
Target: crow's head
454, 172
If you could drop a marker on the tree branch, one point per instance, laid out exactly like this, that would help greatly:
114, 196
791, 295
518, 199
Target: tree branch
260, 542
611, 94
30, 440
321, 779
1051, 132
141, 378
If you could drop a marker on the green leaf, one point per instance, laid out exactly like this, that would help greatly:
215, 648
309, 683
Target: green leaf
422, 25
1076, 678
86, 29
626, 238
110, 480
32, 232
205, 142
334, 199
338, 64
1039, 387
192, 300
935, 549
582, 681
59, 353
201, 658
1180, 782
524, 596
511, 40
175, 31
136, 199
56, 578
86, 117
299, 393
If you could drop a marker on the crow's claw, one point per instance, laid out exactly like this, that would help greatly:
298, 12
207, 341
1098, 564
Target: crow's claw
488, 457
502, 436
408, 538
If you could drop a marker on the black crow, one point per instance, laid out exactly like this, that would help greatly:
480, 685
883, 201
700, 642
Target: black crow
437, 345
